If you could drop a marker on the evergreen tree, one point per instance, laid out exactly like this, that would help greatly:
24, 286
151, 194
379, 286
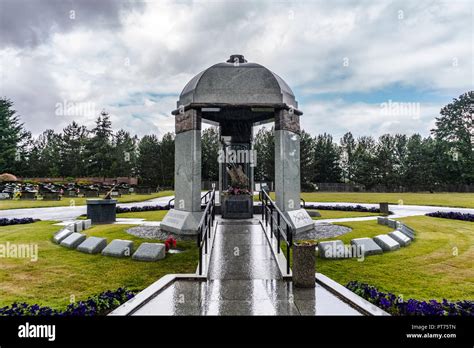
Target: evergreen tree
347, 148
98, 148
124, 154
13, 138
264, 146
306, 161
364, 170
166, 160
148, 160
210, 153
73, 139
326, 160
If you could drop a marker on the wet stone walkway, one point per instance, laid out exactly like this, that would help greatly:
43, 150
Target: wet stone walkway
243, 279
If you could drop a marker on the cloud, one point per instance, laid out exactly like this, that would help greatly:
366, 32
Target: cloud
134, 58
28, 23
338, 117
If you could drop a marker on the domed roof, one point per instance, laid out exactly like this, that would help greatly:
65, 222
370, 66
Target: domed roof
237, 82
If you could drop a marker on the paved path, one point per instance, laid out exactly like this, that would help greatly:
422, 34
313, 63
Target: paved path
399, 210
70, 213
243, 279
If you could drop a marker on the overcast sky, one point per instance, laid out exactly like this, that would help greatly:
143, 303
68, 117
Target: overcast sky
348, 62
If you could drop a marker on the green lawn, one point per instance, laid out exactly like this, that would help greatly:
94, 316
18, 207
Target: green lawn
446, 199
66, 201
427, 269
156, 215
338, 214
60, 273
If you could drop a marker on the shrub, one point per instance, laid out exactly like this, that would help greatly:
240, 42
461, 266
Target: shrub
17, 221
455, 215
358, 208
119, 210
100, 304
397, 306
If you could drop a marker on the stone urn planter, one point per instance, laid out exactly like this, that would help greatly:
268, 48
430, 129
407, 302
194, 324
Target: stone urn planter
304, 260
101, 211
384, 208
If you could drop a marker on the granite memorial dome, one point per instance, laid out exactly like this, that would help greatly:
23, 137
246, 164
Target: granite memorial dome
237, 82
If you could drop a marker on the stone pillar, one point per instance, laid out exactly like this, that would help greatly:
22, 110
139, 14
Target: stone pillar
185, 217
287, 170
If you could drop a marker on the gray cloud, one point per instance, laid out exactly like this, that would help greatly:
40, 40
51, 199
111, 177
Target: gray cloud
134, 58
30, 23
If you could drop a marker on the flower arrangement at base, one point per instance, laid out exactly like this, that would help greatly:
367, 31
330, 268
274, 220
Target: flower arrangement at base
239, 181
170, 242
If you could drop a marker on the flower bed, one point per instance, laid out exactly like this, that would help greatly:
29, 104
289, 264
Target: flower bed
100, 304
19, 221
358, 208
397, 306
119, 210
453, 215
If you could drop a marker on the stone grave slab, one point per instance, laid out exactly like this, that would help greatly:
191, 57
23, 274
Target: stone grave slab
150, 252
331, 250
400, 237
392, 223
73, 240
86, 224
118, 248
78, 226
62, 234
92, 245
386, 242
406, 231
382, 220
367, 245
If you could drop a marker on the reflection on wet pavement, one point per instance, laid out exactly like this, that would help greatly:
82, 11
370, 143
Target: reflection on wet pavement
243, 279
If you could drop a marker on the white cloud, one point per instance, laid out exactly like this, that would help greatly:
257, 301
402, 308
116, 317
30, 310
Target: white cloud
137, 70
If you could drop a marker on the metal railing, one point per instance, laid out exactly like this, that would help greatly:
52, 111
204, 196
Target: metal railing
304, 202
205, 226
273, 215
205, 197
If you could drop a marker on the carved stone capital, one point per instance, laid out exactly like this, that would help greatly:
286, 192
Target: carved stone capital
287, 120
187, 120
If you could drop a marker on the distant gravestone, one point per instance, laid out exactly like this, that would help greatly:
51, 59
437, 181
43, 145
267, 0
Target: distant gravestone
78, 226
392, 223
382, 220
367, 245
118, 248
86, 224
4, 195
331, 250
150, 252
386, 242
407, 231
92, 245
61, 235
73, 240
401, 238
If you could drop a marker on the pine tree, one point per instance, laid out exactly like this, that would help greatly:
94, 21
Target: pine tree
98, 148
12, 137
210, 153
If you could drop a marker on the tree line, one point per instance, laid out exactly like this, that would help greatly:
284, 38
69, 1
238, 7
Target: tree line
391, 162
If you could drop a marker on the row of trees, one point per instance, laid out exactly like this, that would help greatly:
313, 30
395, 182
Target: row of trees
390, 162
